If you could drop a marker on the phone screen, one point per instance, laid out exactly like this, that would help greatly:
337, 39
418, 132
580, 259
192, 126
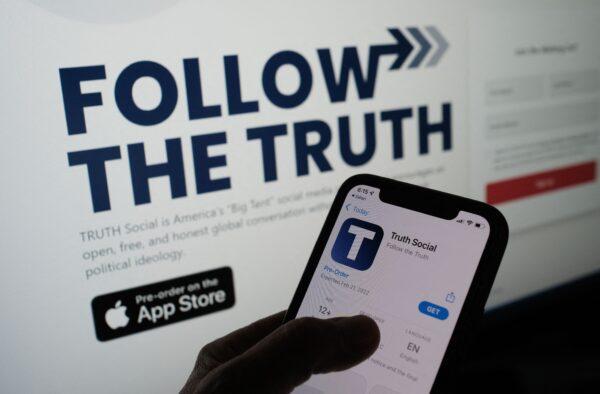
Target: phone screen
407, 270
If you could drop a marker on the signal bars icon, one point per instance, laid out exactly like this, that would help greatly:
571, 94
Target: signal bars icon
470, 222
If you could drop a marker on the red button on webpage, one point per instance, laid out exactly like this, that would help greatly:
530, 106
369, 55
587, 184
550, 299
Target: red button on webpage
541, 182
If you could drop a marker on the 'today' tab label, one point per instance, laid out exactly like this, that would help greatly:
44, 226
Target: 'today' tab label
158, 304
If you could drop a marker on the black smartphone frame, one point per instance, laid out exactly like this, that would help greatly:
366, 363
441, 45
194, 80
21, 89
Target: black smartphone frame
434, 203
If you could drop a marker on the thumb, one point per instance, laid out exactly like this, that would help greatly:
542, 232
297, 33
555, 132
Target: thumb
292, 353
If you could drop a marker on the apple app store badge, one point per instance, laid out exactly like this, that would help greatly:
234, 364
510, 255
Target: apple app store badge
154, 305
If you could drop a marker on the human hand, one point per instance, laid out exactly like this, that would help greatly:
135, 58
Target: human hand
270, 357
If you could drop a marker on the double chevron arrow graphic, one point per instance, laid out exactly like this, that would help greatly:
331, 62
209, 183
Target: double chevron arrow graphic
403, 47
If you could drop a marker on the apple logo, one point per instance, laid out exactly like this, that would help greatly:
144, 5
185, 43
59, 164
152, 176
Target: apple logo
116, 317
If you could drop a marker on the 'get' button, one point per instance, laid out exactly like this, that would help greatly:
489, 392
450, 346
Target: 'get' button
433, 310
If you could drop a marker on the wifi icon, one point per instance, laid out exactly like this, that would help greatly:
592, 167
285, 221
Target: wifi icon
469, 222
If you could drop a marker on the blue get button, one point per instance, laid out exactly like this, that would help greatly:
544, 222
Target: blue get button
433, 310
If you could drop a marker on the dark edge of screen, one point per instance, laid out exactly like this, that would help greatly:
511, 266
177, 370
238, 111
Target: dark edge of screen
412, 199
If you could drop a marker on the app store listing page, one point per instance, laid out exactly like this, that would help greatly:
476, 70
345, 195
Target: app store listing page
408, 271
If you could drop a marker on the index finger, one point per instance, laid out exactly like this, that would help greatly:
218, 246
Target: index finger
232, 345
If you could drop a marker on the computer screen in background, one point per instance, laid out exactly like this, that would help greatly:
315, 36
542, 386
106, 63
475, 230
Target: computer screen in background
168, 165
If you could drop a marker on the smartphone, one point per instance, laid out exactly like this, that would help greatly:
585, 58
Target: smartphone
419, 262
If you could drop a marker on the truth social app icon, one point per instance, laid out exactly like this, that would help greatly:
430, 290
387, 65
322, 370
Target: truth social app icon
357, 243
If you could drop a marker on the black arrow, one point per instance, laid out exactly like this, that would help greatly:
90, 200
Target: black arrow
401, 48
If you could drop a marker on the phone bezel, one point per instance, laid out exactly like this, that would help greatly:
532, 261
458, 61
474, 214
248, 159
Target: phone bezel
431, 202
